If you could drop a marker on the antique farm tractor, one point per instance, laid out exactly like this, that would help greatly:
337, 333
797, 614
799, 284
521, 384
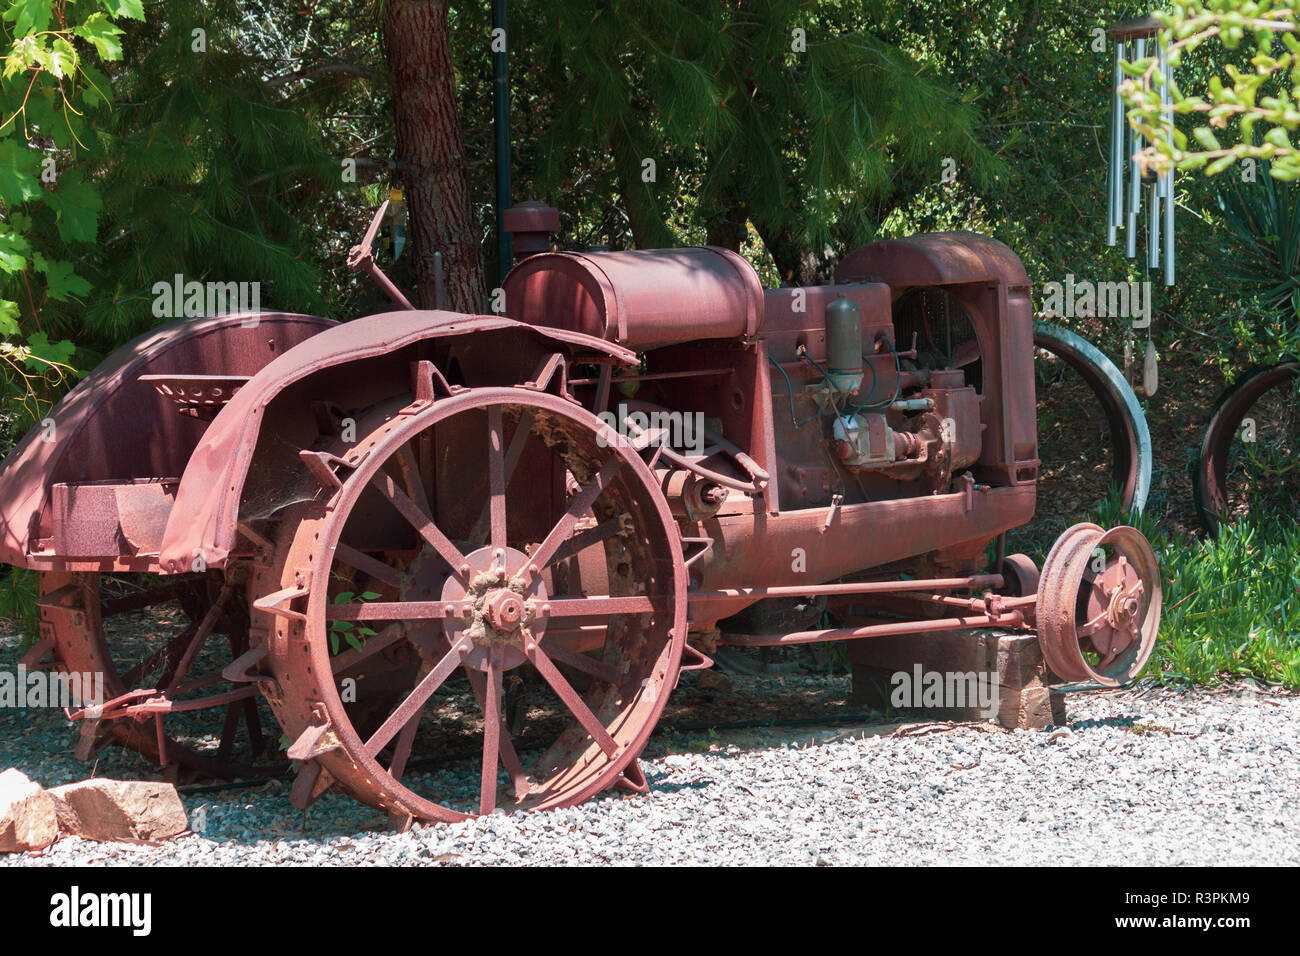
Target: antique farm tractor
517, 531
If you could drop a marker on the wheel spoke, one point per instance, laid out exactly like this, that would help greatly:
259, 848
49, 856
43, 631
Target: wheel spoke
589, 537
421, 521
405, 741
169, 652
509, 756
411, 476
517, 440
201, 635
422, 692
393, 610
602, 606
497, 476
112, 607
487, 801
551, 674
363, 562
341, 663
545, 551
581, 662
1085, 630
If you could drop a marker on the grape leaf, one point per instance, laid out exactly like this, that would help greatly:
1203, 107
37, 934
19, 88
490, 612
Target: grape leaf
129, 8
8, 318
77, 206
18, 164
63, 282
29, 16
13, 252
42, 348
103, 34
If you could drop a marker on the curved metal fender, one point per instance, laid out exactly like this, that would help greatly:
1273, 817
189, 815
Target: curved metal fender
203, 522
114, 427
1118, 399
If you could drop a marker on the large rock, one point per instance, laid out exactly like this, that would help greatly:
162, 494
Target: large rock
28, 819
124, 811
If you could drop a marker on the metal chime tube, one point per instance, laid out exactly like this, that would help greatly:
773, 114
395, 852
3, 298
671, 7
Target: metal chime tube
1115, 179
1153, 226
1157, 190
1169, 174
1135, 175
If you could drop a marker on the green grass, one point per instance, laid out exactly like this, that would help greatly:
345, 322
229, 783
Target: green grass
1231, 603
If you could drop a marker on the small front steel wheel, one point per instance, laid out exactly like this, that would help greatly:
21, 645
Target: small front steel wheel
1099, 603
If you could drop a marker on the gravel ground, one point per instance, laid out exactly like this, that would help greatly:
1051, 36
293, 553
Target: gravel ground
1146, 777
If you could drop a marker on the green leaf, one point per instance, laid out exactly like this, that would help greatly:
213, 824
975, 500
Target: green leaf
129, 8
1205, 136
1277, 136
29, 16
369, 596
343, 597
8, 318
63, 58
103, 34
77, 205
53, 352
63, 282
18, 165
353, 641
1219, 165
94, 85
13, 251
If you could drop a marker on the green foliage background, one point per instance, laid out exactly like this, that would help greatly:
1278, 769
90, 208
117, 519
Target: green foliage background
217, 140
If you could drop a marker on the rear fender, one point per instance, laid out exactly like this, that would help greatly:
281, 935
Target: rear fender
247, 466
114, 430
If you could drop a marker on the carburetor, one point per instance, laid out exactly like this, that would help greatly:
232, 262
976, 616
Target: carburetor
937, 428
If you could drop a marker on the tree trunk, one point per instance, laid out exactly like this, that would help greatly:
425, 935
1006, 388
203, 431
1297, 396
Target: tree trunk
649, 231
796, 264
728, 227
430, 153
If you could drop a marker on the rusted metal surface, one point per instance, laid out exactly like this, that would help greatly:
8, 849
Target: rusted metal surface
530, 225
361, 258
422, 504
1130, 441
1099, 604
620, 296
73, 612
1210, 481
114, 428
486, 610
203, 521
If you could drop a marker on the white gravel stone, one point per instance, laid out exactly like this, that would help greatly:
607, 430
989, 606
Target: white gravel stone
1152, 777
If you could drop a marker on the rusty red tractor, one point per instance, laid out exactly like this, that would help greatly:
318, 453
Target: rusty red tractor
646, 457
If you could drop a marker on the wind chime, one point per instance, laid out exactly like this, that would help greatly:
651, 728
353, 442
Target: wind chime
1127, 182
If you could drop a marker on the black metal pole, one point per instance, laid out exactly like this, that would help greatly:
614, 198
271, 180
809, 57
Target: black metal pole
501, 103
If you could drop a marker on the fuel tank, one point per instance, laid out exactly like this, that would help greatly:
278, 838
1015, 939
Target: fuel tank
639, 299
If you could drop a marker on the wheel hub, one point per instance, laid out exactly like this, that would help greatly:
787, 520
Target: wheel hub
503, 610
1116, 593
502, 606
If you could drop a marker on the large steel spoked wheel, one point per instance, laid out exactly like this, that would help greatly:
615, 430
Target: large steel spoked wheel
499, 539
154, 656
1099, 602
1250, 449
1129, 445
